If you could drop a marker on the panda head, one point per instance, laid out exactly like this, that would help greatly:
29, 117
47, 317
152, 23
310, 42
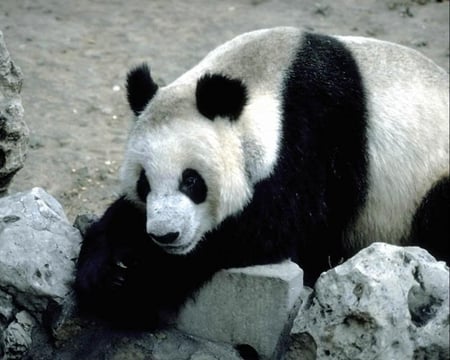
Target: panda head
187, 162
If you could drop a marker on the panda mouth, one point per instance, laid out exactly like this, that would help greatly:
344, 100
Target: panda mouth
186, 242
179, 249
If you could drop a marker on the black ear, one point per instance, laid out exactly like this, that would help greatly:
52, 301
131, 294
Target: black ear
218, 95
140, 88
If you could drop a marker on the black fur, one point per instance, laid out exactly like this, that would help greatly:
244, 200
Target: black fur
140, 88
323, 157
194, 186
143, 186
300, 212
218, 95
431, 228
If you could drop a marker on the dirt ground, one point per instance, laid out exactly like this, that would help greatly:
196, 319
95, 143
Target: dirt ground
75, 56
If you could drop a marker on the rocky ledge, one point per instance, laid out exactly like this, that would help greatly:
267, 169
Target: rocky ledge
386, 302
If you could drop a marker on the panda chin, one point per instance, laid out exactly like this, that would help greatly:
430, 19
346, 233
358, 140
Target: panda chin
182, 249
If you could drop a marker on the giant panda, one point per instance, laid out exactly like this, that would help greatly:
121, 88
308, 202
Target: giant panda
279, 144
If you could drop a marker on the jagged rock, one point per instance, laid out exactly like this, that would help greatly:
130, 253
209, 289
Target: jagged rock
14, 132
38, 249
387, 302
17, 337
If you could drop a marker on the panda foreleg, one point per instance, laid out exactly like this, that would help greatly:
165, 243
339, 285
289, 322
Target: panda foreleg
431, 227
111, 267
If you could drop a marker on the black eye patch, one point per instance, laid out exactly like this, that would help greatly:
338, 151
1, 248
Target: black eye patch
193, 186
142, 186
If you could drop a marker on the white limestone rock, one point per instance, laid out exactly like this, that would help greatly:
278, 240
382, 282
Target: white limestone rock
387, 302
38, 250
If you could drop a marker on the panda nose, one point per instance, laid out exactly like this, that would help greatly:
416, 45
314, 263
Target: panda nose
165, 239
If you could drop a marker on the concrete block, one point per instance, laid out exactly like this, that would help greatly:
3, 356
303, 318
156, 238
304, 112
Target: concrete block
252, 305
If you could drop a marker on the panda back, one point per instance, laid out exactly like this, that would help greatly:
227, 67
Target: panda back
407, 135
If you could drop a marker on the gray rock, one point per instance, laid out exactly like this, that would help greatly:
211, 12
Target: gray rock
38, 249
387, 302
17, 337
200, 355
252, 305
84, 221
7, 309
14, 132
176, 345
95, 341
302, 345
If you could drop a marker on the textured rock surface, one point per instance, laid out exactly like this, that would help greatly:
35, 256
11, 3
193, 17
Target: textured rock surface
90, 341
14, 132
38, 248
250, 305
17, 337
387, 302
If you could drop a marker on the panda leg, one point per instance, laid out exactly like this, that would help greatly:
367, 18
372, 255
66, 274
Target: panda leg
431, 228
110, 265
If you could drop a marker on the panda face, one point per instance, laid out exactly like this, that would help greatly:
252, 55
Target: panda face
185, 163
178, 173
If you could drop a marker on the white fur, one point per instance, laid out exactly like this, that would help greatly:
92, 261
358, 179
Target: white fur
408, 136
260, 139
251, 58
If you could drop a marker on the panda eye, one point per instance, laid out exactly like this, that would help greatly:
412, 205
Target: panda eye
142, 186
193, 186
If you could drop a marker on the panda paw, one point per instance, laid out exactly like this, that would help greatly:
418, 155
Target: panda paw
119, 273
102, 273
104, 270
120, 270
104, 287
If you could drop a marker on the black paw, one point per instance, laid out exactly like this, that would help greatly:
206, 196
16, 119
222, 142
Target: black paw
105, 272
120, 270
104, 285
118, 274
